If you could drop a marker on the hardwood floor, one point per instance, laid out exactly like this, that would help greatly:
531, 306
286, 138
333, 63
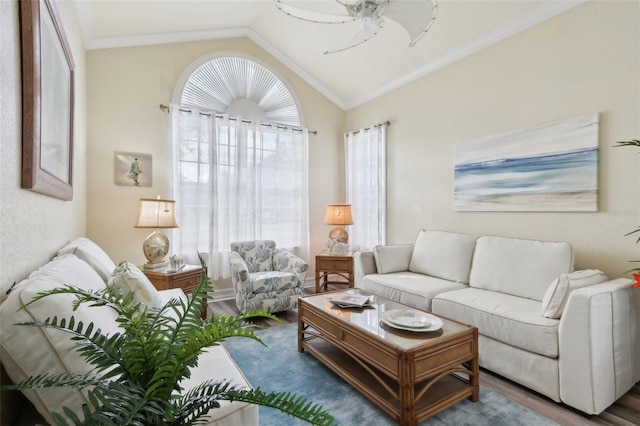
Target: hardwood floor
624, 412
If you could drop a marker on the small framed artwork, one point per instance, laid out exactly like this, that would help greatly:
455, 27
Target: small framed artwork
47, 101
133, 169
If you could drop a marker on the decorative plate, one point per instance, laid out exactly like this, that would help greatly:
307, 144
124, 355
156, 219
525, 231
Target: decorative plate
411, 319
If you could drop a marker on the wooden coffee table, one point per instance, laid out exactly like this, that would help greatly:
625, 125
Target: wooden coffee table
410, 375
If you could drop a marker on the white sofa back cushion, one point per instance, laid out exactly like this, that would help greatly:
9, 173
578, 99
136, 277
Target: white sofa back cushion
29, 351
91, 253
392, 258
557, 294
443, 254
519, 267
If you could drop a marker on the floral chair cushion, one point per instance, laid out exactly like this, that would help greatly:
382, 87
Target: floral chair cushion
258, 255
270, 281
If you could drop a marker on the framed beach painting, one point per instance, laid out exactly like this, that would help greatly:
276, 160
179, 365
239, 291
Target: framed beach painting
551, 167
133, 169
47, 101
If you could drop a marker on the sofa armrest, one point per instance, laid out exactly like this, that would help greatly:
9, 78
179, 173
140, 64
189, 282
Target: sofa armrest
363, 264
239, 274
289, 262
599, 344
172, 293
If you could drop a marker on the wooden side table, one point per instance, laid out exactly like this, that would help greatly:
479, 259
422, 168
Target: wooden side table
187, 279
334, 264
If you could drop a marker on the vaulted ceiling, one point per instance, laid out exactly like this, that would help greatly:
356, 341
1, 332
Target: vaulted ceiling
348, 78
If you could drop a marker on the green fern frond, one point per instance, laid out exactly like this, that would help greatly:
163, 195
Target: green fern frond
138, 371
58, 380
99, 350
632, 142
287, 402
633, 232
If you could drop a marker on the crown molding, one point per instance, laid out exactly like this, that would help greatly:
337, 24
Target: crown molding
536, 16
94, 43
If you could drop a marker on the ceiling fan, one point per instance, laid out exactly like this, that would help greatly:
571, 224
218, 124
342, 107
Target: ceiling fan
415, 16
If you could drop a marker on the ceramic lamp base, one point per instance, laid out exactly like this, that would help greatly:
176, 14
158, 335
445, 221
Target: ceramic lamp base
339, 234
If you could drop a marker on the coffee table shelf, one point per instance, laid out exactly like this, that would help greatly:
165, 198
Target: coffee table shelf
411, 376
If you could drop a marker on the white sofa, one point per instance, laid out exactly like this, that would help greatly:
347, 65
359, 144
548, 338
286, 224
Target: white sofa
27, 351
572, 336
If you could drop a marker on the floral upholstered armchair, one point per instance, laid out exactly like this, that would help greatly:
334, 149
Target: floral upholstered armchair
265, 276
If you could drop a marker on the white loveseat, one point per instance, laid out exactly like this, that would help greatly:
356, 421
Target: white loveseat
30, 351
572, 336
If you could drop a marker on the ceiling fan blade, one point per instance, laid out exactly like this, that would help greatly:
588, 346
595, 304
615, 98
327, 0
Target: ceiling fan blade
368, 29
415, 16
312, 16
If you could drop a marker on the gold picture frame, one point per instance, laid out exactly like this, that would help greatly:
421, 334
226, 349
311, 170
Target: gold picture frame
48, 73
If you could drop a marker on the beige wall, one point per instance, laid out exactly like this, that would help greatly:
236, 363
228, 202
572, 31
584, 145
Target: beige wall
586, 60
126, 87
35, 226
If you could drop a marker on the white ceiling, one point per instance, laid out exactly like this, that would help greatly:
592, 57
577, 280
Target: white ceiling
348, 78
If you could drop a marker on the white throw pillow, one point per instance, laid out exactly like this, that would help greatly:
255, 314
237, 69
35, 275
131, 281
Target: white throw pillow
392, 258
557, 294
443, 254
91, 253
128, 277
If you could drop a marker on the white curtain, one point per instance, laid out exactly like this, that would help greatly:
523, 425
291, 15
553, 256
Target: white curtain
365, 154
237, 180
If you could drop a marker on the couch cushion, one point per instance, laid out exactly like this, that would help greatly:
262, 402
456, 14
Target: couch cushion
392, 258
408, 288
128, 277
91, 253
443, 254
216, 364
519, 267
29, 351
557, 294
513, 320
266, 282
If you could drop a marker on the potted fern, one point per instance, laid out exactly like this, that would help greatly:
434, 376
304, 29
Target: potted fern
136, 380
636, 276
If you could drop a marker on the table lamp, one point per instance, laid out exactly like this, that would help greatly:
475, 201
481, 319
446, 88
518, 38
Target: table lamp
156, 213
340, 215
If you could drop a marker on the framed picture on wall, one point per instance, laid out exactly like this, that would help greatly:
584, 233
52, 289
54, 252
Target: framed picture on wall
550, 167
133, 169
47, 101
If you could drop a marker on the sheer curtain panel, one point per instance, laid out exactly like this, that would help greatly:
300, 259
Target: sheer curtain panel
365, 154
238, 180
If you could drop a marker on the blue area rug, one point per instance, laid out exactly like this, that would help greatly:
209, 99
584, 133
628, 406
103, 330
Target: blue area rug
282, 368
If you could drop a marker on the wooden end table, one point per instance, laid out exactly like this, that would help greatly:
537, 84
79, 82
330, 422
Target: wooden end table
186, 279
334, 264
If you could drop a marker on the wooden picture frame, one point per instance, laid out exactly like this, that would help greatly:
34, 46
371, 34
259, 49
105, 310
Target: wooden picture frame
48, 75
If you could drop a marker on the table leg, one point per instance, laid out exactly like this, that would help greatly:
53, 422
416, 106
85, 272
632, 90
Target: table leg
300, 332
407, 391
475, 369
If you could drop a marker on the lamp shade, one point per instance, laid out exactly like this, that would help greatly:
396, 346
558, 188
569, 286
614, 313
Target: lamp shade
156, 213
338, 214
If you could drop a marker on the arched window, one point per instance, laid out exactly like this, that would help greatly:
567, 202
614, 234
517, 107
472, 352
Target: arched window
240, 161
239, 87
